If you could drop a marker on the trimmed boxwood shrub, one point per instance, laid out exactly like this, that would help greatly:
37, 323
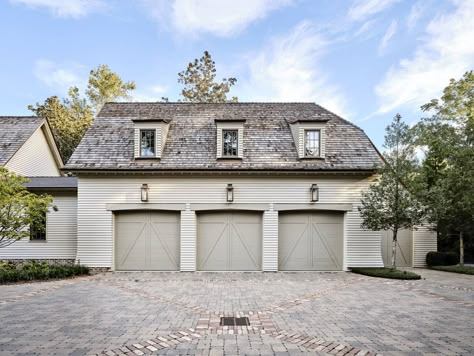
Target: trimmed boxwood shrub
385, 272
33, 270
435, 258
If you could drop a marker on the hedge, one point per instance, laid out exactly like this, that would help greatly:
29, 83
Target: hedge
33, 270
435, 258
386, 273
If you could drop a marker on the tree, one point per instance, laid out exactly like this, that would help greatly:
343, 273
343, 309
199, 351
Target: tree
388, 203
200, 85
69, 120
19, 209
445, 181
70, 117
105, 85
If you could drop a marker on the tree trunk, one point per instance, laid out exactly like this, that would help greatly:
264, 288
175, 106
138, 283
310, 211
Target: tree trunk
394, 249
461, 249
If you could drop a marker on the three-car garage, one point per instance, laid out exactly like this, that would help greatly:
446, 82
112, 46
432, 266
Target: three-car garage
229, 240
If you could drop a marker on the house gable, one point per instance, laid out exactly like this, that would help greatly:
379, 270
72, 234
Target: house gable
27, 147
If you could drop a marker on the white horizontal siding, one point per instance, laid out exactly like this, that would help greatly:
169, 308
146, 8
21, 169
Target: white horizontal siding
188, 241
270, 241
424, 241
61, 234
34, 158
95, 222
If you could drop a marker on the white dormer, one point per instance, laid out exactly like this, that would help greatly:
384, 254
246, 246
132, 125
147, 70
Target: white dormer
310, 139
149, 138
230, 139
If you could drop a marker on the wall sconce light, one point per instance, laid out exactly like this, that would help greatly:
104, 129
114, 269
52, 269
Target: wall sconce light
314, 193
144, 191
230, 193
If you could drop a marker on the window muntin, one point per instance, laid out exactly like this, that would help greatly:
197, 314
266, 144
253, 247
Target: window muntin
312, 140
38, 229
147, 143
230, 143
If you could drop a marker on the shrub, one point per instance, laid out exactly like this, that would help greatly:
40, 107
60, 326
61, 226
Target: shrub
435, 258
34, 270
386, 272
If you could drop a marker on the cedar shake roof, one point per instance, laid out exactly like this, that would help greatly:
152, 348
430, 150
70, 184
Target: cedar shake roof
14, 131
268, 143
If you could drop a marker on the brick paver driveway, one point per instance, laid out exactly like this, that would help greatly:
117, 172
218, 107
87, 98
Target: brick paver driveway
289, 314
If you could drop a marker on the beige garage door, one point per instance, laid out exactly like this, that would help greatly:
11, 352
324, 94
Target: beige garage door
229, 241
147, 241
404, 248
310, 241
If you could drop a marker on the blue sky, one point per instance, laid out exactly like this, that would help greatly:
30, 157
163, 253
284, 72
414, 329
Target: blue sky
363, 59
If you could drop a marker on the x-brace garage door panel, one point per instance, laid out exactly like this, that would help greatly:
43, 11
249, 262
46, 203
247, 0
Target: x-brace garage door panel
147, 241
404, 248
310, 241
229, 241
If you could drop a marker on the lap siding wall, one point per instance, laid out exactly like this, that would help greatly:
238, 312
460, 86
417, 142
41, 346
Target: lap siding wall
95, 222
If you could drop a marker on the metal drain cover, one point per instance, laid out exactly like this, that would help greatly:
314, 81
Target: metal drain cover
233, 321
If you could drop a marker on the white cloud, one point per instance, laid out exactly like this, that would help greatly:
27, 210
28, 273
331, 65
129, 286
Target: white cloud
65, 8
289, 70
363, 9
60, 78
447, 52
415, 14
217, 17
392, 28
150, 94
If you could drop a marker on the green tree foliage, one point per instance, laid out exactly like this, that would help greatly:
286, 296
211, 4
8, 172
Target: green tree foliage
19, 209
105, 85
70, 117
445, 181
200, 85
388, 203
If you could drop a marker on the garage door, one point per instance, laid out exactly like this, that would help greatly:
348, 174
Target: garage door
404, 248
229, 241
310, 241
147, 241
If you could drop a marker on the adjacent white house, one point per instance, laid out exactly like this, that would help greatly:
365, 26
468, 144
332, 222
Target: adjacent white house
210, 187
27, 148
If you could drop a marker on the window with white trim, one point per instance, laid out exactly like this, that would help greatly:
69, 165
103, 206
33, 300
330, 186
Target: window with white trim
230, 143
38, 229
147, 143
312, 143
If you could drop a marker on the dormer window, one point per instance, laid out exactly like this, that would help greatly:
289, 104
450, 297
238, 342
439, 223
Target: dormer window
312, 139
230, 143
147, 143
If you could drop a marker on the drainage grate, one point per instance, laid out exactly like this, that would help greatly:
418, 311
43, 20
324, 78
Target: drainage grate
233, 321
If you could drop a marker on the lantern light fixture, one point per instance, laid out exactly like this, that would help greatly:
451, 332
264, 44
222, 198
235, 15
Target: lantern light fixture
230, 193
314, 190
144, 192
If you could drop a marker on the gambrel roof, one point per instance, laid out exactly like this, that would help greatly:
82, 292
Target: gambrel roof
191, 143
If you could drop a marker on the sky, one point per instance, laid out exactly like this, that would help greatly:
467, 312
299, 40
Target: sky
365, 60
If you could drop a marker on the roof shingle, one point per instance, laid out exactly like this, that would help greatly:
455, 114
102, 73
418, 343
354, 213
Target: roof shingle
191, 142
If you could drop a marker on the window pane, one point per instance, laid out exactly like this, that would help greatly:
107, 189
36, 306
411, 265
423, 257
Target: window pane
38, 230
147, 143
230, 143
311, 143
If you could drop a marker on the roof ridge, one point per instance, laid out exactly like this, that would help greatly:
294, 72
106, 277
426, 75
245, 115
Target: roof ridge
209, 103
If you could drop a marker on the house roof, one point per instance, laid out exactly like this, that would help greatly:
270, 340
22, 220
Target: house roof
14, 131
191, 142
52, 183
